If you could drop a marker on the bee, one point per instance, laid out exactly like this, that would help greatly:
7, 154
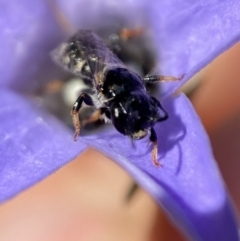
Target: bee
119, 94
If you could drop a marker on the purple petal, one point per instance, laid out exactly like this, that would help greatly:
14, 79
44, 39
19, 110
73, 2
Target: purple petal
28, 32
106, 13
189, 185
190, 34
33, 144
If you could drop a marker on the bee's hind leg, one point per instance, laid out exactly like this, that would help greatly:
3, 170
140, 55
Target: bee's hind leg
128, 33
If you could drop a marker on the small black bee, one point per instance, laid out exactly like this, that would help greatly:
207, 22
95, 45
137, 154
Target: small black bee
119, 94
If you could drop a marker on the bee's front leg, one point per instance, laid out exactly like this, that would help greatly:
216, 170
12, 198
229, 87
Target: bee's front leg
76, 107
153, 139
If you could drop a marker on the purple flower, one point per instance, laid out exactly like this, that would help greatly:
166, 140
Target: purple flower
33, 144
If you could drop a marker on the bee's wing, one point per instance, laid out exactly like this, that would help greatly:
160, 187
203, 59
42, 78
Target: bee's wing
86, 55
97, 66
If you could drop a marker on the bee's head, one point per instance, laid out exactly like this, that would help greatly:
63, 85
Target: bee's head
134, 114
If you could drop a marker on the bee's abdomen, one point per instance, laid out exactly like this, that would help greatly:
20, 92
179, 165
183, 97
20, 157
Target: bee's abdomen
90, 44
83, 49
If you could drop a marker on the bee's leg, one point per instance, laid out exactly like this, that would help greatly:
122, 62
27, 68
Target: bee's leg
60, 17
153, 139
96, 115
76, 107
127, 33
149, 79
54, 86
